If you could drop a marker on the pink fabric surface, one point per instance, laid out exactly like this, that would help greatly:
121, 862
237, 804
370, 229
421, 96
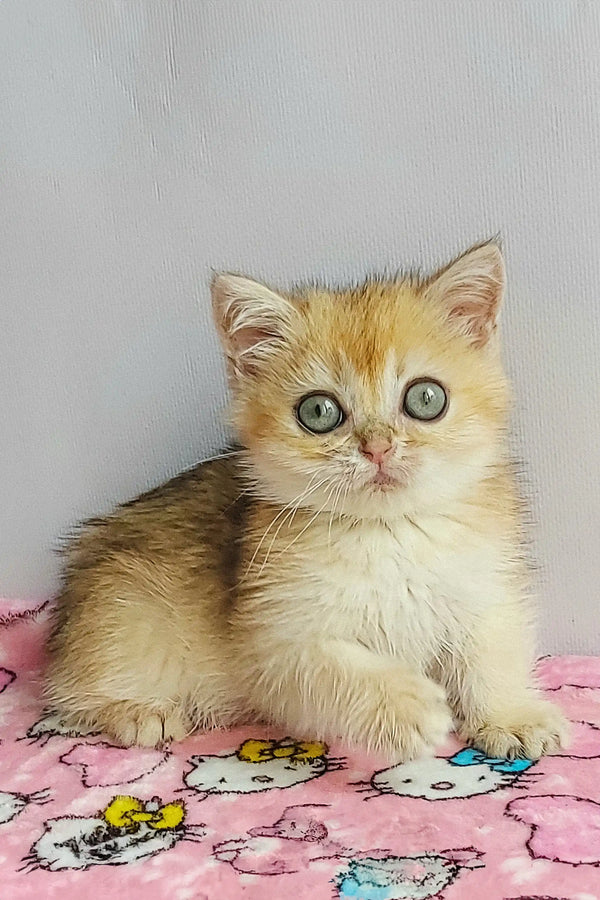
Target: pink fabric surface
252, 814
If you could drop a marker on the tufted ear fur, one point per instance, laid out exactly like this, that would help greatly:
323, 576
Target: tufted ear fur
471, 290
251, 319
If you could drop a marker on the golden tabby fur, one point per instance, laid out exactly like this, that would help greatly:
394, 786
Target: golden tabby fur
364, 584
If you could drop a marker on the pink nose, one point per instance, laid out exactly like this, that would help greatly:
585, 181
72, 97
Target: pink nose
376, 449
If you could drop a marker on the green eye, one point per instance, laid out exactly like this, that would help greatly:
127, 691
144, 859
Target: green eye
425, 400
319, 413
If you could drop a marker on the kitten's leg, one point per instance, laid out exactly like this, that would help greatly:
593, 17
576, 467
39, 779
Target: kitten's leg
338, 689
124, 703
492, 691
131, 670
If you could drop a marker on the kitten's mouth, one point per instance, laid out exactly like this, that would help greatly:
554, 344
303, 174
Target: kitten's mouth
385, 481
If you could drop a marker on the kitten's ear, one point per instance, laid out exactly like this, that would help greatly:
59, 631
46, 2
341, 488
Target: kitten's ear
251, 319
471, 290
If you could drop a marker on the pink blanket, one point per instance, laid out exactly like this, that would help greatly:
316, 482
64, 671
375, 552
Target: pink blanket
256, 814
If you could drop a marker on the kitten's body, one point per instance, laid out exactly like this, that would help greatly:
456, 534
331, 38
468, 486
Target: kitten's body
317, 580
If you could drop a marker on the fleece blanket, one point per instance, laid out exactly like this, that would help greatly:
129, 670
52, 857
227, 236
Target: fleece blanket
254, 813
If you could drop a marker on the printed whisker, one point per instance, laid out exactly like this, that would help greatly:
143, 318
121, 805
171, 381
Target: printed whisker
31, 864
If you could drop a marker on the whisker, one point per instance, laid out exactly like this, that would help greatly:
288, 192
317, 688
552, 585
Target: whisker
289, 519
39, 796
225, 455
310, 522
333, 509
297, 499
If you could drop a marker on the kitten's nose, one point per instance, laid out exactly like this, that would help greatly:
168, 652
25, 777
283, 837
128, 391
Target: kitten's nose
376, 449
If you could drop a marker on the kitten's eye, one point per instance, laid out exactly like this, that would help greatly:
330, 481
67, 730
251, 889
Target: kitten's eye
425, 400
319, 413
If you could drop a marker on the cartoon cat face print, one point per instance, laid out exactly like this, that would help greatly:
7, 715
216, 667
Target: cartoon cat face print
50, 725
127, 830
260, 766
466, 774
398, 877
6, 677
11, 804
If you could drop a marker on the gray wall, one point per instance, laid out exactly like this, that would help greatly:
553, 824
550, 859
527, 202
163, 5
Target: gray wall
144, 142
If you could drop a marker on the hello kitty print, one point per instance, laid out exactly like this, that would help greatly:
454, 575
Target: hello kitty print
259, 815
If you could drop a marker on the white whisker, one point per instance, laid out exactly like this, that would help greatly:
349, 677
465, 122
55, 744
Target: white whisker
219, 456
291, 505
289, 518
310, 522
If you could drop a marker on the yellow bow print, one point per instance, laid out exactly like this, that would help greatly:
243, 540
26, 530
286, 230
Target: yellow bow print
298, 751
129, 812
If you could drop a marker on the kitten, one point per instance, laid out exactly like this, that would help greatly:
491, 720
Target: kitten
355, 571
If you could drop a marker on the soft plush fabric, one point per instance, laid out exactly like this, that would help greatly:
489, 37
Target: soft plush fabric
256, 814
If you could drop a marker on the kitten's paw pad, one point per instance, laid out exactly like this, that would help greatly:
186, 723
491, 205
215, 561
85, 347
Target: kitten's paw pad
422, 721
530, 732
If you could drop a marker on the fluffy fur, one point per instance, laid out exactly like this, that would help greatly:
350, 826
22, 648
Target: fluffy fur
299, 581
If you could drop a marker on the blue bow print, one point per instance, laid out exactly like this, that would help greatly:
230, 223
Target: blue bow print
471, 757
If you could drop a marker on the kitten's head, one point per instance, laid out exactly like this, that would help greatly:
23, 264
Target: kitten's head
373, 400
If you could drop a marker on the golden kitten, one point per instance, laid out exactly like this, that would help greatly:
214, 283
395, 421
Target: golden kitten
355, 571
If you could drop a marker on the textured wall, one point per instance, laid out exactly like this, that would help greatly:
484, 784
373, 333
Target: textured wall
144, 141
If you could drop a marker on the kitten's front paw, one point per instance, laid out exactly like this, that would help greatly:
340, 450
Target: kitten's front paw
530, 730
416, 721
135, 725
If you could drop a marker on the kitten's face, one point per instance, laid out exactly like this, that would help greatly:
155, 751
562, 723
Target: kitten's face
406, 397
